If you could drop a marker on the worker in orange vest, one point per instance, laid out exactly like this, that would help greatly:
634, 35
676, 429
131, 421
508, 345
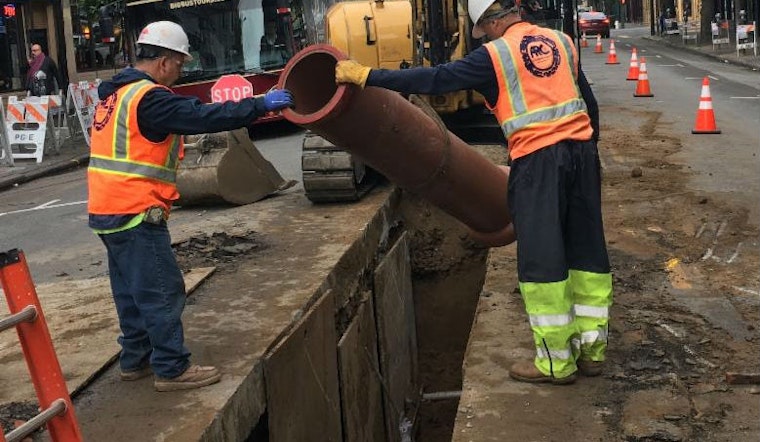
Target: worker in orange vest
530, 78
136, 147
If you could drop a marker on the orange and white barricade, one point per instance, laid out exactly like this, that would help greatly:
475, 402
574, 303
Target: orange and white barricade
746, 38
57, 122
26, 123
82, 97
6, 155
719, 32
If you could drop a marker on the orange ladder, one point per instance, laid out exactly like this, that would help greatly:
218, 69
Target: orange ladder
26, 316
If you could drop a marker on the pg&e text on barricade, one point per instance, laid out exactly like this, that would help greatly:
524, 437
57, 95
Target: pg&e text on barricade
191, 3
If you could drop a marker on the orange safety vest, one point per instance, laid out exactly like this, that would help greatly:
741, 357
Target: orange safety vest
539, 100
129, 173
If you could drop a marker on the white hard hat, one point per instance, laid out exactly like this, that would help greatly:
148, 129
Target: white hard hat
476, 8
166, 34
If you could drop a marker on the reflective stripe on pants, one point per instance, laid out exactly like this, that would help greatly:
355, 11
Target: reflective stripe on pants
592, 295
550, 308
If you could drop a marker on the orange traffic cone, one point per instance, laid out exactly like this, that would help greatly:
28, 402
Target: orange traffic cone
612, 57
584, 43
633, 69
642, 87
598, 48
705, 123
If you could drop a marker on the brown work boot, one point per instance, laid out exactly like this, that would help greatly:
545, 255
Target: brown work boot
194, 377
526, 371
135, 375
590, 368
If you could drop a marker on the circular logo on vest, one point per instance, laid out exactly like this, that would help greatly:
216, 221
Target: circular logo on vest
100, 119
540, 55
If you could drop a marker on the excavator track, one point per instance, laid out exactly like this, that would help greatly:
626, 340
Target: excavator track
331, 174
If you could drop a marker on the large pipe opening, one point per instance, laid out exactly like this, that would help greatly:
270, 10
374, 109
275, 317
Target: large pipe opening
310, 76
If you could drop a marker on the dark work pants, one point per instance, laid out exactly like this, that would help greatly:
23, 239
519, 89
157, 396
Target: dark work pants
149, 293
563, 268
555, 204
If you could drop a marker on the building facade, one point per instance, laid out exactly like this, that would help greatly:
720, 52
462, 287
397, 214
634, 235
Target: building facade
69, 32
22, 24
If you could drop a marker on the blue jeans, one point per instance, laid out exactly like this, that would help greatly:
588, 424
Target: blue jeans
149, 293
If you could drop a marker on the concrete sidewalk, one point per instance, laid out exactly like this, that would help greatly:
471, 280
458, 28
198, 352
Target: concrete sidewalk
73, 153
725, 53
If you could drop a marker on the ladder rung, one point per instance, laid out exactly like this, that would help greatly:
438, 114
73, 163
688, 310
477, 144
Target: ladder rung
28, 314
57, 407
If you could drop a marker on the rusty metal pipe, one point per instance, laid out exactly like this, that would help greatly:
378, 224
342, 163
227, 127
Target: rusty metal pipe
398, 139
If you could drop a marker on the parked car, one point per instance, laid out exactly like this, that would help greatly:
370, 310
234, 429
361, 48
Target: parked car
594, 23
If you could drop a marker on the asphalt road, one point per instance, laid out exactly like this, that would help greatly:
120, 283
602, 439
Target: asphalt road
726, 163
47, 218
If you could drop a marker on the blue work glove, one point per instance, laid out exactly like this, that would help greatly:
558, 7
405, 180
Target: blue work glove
277, 99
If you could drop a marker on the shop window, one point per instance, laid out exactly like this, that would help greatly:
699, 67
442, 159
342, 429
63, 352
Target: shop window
12, 58
98, 37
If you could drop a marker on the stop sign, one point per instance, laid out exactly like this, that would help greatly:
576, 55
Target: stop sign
231, 88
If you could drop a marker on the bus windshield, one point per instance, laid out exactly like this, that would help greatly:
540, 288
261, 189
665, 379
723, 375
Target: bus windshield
226, 36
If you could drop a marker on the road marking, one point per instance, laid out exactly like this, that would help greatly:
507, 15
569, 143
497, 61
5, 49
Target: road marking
677, 333
692, 78
709, 253
47, 205
745, 98
746, 290
44, 205
677, 65
736, 253
699, 358
713, 78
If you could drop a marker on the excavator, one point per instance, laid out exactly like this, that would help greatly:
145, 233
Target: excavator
394, 34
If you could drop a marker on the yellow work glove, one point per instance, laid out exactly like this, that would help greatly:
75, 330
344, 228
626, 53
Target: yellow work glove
349, 71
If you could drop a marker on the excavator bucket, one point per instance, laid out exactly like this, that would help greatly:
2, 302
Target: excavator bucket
226, 167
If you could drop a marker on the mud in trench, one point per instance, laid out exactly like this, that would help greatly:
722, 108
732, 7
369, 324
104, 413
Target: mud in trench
448, 272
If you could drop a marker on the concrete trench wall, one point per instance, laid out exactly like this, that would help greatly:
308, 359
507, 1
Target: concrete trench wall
349, 368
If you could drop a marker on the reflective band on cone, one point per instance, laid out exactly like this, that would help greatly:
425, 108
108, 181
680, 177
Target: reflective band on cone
705, 122
633, 69
642, 86
598, 48
612, 57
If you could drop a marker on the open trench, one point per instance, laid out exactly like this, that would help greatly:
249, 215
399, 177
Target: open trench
412, 394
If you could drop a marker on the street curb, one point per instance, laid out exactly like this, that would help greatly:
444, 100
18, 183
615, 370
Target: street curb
43, 171
702, 53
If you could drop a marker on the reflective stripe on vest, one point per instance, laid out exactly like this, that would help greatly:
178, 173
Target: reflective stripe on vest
120, 163
521, 117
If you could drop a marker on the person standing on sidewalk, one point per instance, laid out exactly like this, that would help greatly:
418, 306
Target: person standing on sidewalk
42, 77
529, 77
136, 147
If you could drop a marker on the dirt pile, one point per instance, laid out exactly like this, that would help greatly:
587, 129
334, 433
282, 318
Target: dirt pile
217, 249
